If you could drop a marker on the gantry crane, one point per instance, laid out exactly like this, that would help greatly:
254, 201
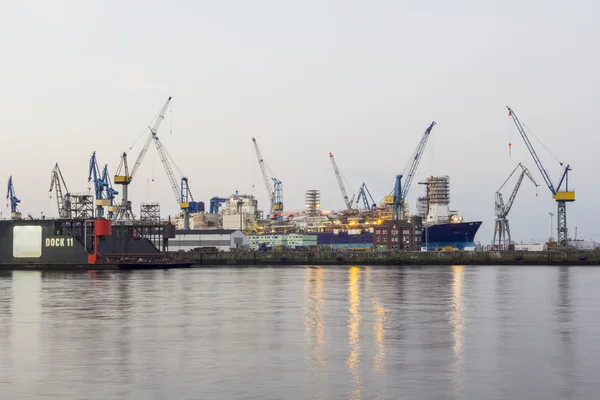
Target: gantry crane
123, 178
100, 186
275, 193
348, 201
63, 201
560, 196
215, 204
365, 196
501, 229
14, 200
400, 192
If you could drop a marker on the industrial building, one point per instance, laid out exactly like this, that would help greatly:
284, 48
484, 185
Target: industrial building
221, 239
291, 240
399, 235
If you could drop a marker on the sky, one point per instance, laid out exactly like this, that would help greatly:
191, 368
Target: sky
360, 79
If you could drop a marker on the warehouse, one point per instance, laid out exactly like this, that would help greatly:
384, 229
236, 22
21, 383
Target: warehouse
222, 239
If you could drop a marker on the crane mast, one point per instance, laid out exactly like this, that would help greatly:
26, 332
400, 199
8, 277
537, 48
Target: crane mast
57, 182
338, 175
501, 228
560, 196
400, 192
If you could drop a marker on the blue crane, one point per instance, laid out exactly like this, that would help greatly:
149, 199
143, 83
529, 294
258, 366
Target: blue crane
99, 186
110, 193
365, 196
560, 196
215, 204
400, 192
14, 201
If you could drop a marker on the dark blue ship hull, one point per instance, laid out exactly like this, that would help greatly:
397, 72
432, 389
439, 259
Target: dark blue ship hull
458, 235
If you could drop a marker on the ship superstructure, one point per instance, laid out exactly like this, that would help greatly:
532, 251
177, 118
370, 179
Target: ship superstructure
443, 227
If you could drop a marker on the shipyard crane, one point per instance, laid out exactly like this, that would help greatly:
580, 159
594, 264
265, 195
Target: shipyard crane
14, 200
100, 186
338, 175
560, 196
400, 192
275, 193
63, 201
110, 193
124, 178
215, 204
365, 196
502, 229
183, 194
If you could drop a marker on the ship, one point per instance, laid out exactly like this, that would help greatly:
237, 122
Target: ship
85, 244
443, 227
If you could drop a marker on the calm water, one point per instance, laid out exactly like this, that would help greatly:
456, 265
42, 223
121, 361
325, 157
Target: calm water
302, 333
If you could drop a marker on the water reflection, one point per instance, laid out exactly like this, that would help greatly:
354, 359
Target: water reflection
353, 361
564, 313
457, 320
379, 330
313, 322
368, 333
26, 314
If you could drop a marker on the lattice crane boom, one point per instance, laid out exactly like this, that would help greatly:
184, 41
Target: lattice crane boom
338, 175
63, 202
535, 157
513, 195
416, 160
400, 192
153, 130
167, 165
265, 176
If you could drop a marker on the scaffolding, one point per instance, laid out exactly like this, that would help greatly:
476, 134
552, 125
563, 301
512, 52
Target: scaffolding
150, 213
438, 190
422, 207
82, 206
312, 198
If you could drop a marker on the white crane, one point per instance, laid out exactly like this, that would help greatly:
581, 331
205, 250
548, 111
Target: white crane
348, 201
124, 211
57, 182
501, 229
276, 192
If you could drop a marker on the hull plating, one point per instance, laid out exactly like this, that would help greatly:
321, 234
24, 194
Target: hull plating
459, 235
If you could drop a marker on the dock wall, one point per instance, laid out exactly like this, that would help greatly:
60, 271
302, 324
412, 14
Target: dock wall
387, 258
